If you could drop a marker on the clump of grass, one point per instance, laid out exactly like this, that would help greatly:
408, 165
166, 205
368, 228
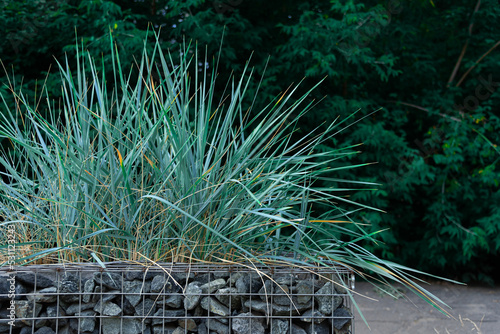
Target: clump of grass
152, 166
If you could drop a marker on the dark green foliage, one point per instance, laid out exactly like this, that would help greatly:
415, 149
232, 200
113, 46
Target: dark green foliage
434, 68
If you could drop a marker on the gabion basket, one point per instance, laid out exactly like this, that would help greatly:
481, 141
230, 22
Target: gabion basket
176, 299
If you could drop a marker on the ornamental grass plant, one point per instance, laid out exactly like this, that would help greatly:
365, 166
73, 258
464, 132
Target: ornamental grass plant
154, 166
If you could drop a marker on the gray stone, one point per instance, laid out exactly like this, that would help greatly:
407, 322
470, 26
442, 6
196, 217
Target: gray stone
339, 285
318, 283
88, 289
327, 299
106, 296
304, 291
202, 328
213, 286
322, 328
5, 287
216, 326
74, 308
64, 329
24, 309
231, 281
282, 296
158, 283
165, 284
143, 329
247, 323
132, 290
279, 326
87, 321
285, 296
42, 321
166, 316
198, 312
47, 295
229, 297
248, 284
244, 308
179, 330
145, 308
344, 330
222, 274
110, 280
213, 306
39, 323
147, 286
29, 279
182, 278
129, 326
45, 330
192, 295
297, 330
108, 308
24, 330
63, 304
173, 301
164, 329
267, 308
98, 293
127, 308
310, 316
4, 326
284, 279
204, 278
21, 291
68, 276
73, 325
69, 291
188, 324
341, 317
52, 311
141, 275
267, 290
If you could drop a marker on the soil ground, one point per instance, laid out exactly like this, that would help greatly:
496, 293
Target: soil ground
476, 310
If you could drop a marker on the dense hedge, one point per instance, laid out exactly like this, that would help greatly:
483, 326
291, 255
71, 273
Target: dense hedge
433, 68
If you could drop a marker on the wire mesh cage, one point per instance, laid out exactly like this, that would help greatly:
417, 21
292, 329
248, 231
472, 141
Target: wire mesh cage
176, 299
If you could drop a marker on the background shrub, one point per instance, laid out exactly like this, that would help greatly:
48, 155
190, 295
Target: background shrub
433, 67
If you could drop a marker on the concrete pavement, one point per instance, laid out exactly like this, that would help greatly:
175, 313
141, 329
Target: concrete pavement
476, 310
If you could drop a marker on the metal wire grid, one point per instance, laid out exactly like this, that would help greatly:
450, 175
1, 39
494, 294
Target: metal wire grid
254, 309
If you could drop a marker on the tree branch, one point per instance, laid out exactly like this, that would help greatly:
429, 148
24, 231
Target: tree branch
477, 62
459, 60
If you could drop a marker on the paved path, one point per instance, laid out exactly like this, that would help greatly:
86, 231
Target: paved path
476, 309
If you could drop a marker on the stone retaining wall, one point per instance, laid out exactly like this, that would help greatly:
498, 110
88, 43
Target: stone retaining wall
174, 299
